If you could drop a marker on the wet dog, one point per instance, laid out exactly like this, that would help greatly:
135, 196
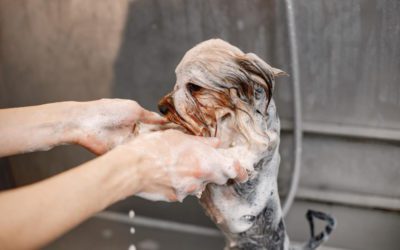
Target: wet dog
221, 91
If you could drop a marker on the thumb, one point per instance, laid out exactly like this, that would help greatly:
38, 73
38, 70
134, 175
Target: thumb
151, 117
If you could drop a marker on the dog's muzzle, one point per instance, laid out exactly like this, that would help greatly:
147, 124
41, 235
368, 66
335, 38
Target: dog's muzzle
166, 104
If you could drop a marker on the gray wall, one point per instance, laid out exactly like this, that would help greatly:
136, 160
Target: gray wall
350, 76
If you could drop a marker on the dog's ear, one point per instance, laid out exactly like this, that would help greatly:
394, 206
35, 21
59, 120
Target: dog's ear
253, 64
263, 69
278, 72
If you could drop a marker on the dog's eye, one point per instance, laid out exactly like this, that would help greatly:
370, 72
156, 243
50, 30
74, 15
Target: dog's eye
258, 93
193, 88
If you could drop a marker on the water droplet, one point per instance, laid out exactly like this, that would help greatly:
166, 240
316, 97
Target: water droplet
132, 230
132, 247
131, 214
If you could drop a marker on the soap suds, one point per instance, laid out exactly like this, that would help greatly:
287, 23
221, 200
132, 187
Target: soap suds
187, 185
242, 154
235, 218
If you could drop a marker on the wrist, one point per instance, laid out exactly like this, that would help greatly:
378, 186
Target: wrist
119, 171
89, 125
72, 122
50, 125
67, 122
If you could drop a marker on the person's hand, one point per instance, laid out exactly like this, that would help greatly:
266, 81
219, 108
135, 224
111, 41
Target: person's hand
103, 124
170, 165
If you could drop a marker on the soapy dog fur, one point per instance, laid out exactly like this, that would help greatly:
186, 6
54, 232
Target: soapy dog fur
223, 92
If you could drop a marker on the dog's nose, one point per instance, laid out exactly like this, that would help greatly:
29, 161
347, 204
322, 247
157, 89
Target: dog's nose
163, 108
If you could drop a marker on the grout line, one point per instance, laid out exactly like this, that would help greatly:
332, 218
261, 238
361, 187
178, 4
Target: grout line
345, 130
173, 226
359, 200
159, 224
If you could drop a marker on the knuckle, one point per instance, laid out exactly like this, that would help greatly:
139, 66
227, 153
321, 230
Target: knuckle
135, 106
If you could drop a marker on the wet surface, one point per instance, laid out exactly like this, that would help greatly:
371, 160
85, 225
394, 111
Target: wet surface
101, 234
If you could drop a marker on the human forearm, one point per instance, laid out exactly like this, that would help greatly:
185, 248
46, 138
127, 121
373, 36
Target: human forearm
98, 125
158, 166
34, 215
36, 128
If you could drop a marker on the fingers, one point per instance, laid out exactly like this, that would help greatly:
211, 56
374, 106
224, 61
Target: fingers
146, 116
242, 175
224, 168
151, 117
93, 144
214, 166
191, 188
230, 167
211, 141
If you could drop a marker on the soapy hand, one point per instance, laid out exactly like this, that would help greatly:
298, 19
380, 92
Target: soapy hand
170, 165
106, 123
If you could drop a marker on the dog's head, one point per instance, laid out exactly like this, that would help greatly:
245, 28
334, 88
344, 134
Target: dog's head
221, 91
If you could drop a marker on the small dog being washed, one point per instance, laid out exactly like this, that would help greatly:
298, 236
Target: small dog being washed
221, 91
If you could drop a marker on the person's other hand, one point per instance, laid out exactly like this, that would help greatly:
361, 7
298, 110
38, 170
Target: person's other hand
169, 165
103, 124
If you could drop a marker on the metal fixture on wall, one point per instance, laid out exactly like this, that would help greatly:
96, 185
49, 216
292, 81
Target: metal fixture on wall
297, 131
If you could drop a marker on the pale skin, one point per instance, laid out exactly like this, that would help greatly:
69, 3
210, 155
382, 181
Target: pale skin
34, 215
